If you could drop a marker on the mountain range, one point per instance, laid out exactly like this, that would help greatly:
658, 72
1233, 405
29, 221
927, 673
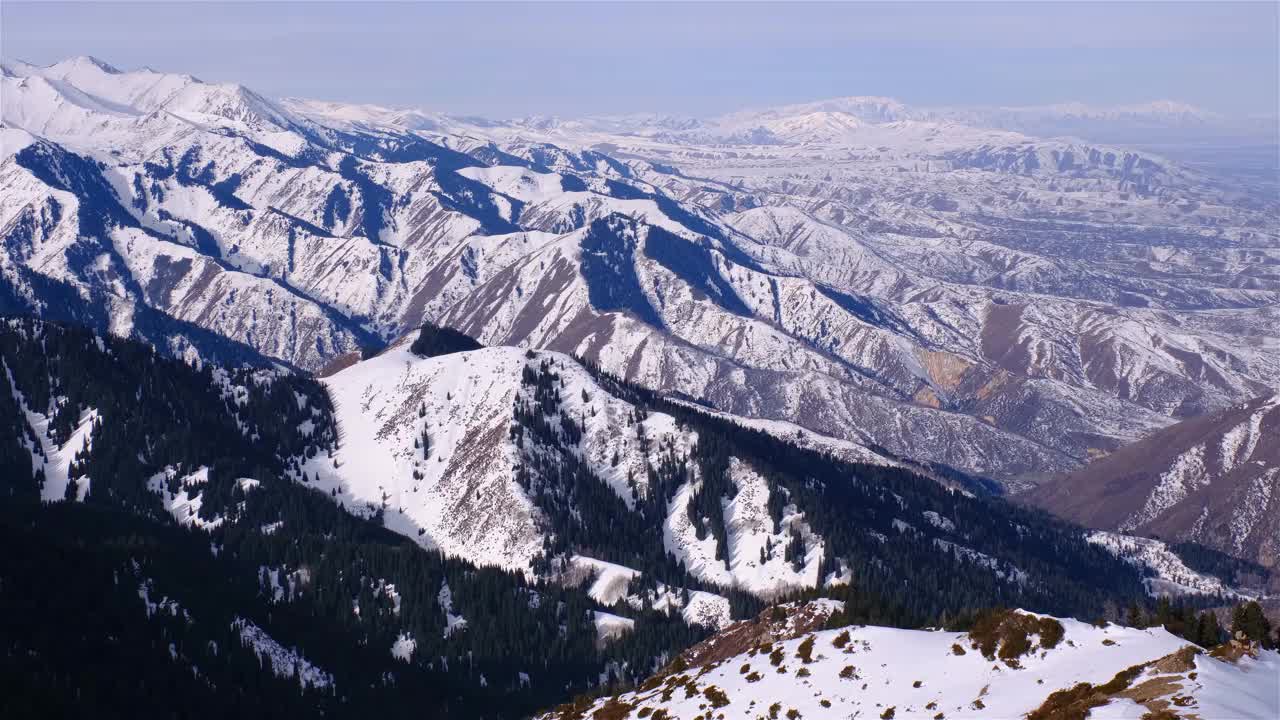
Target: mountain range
999, 304
415, 382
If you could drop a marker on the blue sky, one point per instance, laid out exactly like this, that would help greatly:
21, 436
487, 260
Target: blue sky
514, 59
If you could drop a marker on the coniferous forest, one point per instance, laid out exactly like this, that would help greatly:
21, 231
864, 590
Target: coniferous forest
75, 572
110, 599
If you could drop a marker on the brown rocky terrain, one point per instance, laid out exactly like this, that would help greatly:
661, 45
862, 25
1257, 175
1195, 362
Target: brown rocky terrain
1210, 480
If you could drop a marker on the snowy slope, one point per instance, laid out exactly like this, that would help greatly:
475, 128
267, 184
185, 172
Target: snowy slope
750, 530
457, 490
462, 403
1171, 574
958, 294
867, 671
1210, 480
610, 583
48, 455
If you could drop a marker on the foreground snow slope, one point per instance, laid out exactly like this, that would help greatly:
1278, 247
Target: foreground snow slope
869, 672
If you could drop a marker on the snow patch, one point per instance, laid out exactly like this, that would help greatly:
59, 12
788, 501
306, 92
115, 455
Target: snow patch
183, 504
453, 623
609, 626
1171, 575
403, 647
610, 584
284, 662
749, 530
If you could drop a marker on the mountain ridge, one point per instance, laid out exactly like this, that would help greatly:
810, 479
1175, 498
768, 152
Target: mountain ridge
960, 322
1209, 480
789, 662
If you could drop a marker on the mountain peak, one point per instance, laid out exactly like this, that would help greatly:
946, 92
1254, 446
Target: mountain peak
868, 108
1169, 107
83, 62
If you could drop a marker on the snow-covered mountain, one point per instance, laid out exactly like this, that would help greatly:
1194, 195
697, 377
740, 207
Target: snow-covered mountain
1001, 304
532, 462
536, 465
1028, 665
199, 512
1212, 480
433, 443
1159, 119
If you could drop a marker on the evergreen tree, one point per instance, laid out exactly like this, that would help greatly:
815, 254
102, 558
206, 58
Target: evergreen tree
1133, 616
1247, 619
1208, 632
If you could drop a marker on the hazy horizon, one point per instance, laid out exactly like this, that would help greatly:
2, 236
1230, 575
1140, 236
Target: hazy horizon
517, 59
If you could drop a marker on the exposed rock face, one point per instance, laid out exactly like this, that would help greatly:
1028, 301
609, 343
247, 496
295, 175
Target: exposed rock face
1214, 480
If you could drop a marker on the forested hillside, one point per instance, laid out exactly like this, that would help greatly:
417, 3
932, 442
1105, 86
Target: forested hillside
929, 549
168, 516
191, 575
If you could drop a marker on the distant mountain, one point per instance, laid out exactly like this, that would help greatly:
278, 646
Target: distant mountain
1115, 123
1212, 480
1139, 123
959, 296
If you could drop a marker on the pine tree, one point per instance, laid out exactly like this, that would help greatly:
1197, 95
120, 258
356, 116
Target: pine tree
1133, 617
1208, 632
1247, 619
